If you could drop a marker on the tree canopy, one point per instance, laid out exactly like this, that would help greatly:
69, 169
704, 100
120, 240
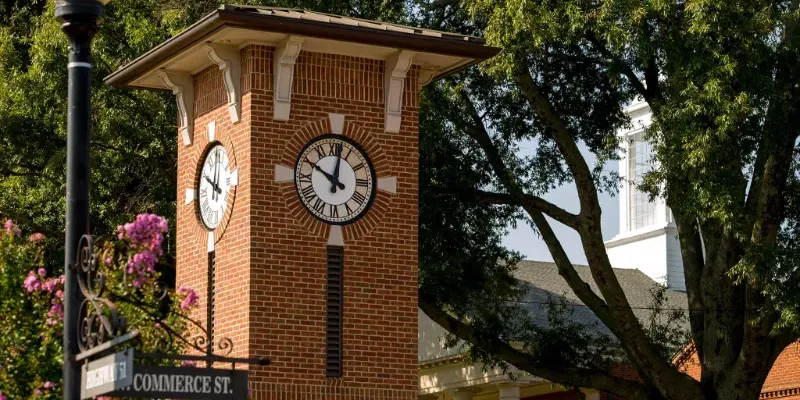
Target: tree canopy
720, 78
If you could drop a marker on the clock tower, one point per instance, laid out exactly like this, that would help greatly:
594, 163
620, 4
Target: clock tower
297, 189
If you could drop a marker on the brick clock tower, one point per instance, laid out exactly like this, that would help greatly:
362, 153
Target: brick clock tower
297, 189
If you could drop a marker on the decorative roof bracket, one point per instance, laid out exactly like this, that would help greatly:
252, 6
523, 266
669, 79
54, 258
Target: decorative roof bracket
285, 58
396, 68
228, 60
182, 87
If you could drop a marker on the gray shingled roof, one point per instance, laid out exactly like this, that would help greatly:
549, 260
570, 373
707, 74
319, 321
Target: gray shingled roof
545, 284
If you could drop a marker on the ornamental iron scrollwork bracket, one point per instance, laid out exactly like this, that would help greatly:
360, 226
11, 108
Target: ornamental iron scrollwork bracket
98, 319
101, 327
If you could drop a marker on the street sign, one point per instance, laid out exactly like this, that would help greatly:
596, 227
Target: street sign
158, 382
106, 374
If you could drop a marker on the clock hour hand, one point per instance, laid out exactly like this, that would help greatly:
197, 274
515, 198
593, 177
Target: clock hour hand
213, 185
335, 181
330, 177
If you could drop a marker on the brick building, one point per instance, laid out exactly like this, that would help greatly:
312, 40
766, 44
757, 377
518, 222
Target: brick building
297, 188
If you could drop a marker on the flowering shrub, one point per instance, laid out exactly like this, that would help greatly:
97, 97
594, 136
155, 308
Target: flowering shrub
32, 301
190, 297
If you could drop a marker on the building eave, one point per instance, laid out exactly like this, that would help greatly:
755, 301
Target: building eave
468, 50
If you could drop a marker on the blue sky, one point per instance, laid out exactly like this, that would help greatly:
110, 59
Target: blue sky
525, 241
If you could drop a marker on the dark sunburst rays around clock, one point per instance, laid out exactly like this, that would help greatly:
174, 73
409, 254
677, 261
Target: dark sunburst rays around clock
370, 175
335, 179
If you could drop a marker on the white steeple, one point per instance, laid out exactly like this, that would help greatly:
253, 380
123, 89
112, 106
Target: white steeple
647, 239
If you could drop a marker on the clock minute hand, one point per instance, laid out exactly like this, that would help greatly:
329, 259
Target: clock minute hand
329, 176
336, 169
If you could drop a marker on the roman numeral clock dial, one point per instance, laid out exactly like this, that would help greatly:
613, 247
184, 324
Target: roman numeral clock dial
214, 184
335, 179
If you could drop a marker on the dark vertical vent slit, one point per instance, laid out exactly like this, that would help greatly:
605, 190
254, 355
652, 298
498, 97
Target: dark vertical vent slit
212, 261
333, 339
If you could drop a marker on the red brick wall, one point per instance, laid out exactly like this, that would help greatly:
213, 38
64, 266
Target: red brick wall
783, 381
232, 250
271, 269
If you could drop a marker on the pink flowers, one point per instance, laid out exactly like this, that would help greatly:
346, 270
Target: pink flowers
38, 282
36, 237
46, 386
190, 298
2, 396
56, 313
32, 283
10, 228
188, 363
145, 234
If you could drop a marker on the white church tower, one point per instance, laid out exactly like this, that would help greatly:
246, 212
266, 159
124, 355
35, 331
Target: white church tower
648, 238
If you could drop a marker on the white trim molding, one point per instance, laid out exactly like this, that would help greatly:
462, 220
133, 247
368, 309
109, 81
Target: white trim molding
228, 59
212, 131
182, 87
286, 54
641, 234
397, 67
189, 196
210, 241
388, 184
283, 173
508, 391
335, 236
337, 123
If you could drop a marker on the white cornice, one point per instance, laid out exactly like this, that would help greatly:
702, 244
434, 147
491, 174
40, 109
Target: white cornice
641, 234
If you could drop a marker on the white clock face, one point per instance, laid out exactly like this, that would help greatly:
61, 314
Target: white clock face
213, 185
334, 179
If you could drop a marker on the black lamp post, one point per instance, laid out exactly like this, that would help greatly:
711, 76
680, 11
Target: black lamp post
79, 21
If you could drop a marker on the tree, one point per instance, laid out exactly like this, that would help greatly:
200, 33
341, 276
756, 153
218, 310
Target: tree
721, 80
719, 76
32, 309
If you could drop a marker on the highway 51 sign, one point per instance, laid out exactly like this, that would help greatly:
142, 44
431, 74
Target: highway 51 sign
106, 374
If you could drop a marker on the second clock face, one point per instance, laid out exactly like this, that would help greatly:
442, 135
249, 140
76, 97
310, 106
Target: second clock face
213, 186
335, 179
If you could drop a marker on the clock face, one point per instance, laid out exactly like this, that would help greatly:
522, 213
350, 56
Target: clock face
213, 185
335, 179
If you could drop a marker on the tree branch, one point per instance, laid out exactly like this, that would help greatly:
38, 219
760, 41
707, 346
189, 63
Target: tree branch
652, 368
559, 132
569, 376
530, 202
626, 69
567, 271
693, 264
478, 132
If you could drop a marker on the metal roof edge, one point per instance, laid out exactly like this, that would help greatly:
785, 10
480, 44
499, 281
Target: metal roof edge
224, 16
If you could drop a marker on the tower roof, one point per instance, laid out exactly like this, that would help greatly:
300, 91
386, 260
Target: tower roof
436, 53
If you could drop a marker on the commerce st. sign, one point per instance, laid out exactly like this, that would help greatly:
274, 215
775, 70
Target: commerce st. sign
159, 382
